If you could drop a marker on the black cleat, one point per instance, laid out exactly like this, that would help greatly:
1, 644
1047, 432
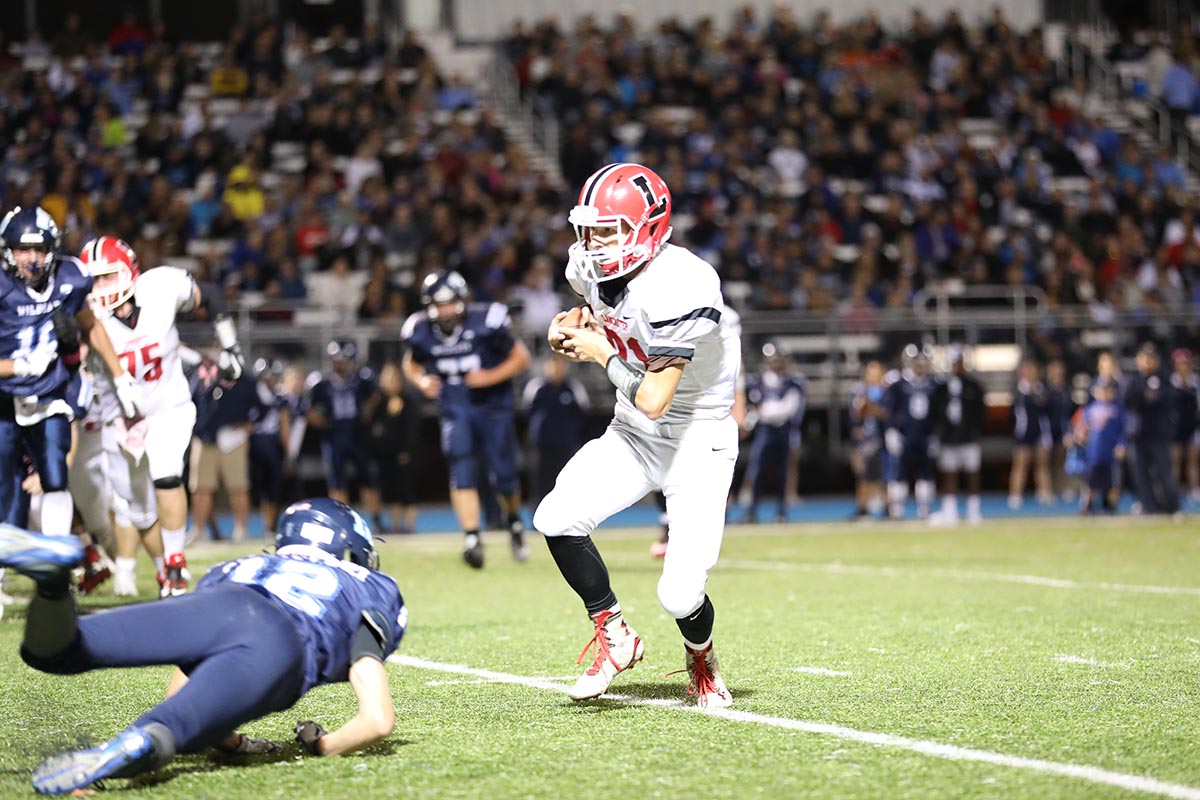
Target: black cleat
473, 552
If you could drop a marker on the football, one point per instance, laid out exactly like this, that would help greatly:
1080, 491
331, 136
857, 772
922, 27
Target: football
575, 317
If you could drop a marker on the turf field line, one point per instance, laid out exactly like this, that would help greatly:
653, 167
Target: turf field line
964, 574
1064, 658
1099, 775
822, 671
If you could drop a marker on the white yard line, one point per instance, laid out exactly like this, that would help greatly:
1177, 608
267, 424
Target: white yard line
821, 671
963, 574
1133, 783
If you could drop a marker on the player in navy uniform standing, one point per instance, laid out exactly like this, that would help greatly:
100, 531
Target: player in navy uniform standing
777, 396
254, 637
463, 355
336, 410
43, 297
909, 436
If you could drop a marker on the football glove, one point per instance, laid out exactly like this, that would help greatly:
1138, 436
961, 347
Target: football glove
66, 331
249, 745
33, 365
231, 363
308, 734
129, 394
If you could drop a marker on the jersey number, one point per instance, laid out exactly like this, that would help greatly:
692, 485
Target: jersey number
33, 337
453, 366
151, 364
626, 346
299, 584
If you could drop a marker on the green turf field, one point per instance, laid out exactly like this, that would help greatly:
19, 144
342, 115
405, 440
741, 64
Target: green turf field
1025, 659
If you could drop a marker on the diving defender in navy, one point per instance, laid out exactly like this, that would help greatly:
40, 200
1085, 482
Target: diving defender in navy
43, 299
254, 637
464, 356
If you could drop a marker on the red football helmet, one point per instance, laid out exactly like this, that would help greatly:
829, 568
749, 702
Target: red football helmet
634, 201
114, 269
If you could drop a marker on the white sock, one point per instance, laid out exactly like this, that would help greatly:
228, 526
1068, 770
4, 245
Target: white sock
924, 492
973, 505
57, 510
875, 505
897, 497
950, 505
173, 540
126, 566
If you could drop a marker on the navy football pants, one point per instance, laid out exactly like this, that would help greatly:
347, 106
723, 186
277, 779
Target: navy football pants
241, 651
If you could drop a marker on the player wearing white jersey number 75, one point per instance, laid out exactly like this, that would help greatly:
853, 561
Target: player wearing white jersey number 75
655, 320
139, 310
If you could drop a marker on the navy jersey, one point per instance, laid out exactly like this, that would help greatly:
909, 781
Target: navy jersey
329, 600
264, 414
1059, 409
1105, 424
866, 405
557, 412
779, 398
483, 340
26, 326
959, 410
1031, 418
909, 403
340, 401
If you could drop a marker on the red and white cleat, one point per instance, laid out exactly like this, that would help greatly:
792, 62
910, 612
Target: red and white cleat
175, 582
706, 684
97, 568
617, 648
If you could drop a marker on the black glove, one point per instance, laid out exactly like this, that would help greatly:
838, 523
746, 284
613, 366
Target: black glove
308, 733
248, 745
66, 331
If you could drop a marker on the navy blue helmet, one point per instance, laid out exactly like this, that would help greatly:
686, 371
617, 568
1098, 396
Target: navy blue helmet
440, 288
329, 525
25, 229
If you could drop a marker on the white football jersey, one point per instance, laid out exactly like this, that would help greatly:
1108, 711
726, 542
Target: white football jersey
673, 307
149, 351
104, 406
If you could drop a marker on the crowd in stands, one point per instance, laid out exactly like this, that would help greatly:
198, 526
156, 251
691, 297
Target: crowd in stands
834, 170
828, 170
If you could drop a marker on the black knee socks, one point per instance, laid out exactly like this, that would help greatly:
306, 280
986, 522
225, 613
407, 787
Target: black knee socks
580, 563
697, 626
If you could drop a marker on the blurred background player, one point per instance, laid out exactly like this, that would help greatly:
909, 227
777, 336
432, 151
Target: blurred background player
464, 356
220, 454
1101, 430
777, 395
868, 416
1060, 408
336, 409
138, 311
1149, 403
271, 422
393, 441
1032, 438
909, 437
1185, 450
557, 405
293, 390
958, 413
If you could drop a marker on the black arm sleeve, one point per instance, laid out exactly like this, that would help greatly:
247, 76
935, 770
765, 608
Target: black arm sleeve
369, 639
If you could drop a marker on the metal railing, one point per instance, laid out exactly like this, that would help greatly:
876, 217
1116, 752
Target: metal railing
504, 94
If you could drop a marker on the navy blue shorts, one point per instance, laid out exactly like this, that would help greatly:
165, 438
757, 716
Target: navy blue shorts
337, 454
474, 435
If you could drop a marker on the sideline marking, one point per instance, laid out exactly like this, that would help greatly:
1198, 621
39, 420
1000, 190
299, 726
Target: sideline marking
822, 671
964, 574
1134, 783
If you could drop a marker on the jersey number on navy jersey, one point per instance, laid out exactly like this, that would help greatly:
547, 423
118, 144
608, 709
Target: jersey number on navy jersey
32, 338
300, 584
453, 366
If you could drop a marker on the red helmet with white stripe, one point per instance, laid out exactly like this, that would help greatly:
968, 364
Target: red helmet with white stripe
114, 269
622, 221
